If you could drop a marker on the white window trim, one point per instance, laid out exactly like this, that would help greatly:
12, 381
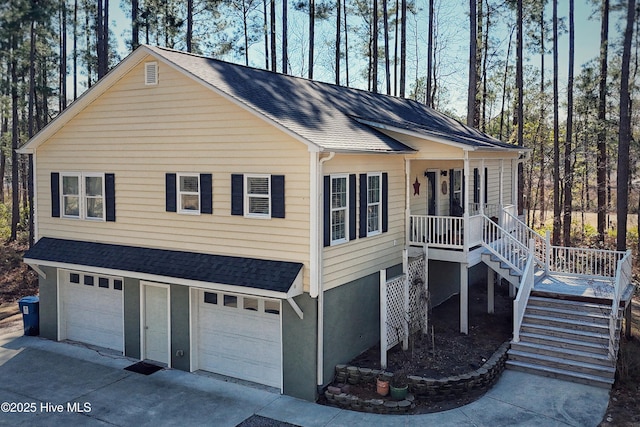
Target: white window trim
179, 194
378, 203
82, 202
345, 239
247, 196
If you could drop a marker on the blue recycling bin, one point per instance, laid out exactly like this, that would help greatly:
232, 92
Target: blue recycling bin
29, 306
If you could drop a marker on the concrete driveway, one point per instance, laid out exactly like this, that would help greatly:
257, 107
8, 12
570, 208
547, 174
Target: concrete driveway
43, 382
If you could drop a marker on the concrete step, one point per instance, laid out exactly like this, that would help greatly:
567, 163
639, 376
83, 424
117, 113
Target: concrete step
559, 332
600, 358
563, 342
563, 364
546, 371
559, 322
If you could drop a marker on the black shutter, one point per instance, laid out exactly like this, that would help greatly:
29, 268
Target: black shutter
486, 185
352, 207
206, 196
363, 205
110, 196
237, 194
55, 194
451, 179
385, 202
326, 195
170, 193
476, 185
277, 196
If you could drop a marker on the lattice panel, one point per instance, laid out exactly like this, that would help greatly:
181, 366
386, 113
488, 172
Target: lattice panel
395, 311
417, 294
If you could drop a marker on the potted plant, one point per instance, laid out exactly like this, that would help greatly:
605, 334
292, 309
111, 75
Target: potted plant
399, 385
382, 384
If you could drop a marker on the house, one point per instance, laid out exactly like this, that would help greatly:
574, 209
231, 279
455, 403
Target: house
210, 216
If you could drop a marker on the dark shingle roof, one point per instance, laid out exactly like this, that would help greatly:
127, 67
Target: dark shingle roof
268, 275
325, 114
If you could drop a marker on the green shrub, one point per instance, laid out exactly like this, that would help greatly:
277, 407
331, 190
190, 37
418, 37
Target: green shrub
5, 222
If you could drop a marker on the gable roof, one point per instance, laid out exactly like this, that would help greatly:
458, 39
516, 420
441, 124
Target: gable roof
251, 274
324, 116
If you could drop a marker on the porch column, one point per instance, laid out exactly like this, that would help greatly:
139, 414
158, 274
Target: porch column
514, 188
464, 299
501, 200
465, 201
491, 278
482, 179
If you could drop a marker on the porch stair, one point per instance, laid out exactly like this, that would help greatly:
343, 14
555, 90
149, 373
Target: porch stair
565, 339
501, 268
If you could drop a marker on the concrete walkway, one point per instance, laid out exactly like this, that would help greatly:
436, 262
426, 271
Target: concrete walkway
58, 383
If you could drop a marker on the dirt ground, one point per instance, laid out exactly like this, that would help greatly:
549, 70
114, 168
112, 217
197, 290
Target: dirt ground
16, 280
447, 352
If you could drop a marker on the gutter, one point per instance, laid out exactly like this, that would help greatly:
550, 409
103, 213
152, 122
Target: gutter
317, 252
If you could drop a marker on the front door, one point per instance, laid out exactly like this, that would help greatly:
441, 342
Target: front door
156, 323
431, 193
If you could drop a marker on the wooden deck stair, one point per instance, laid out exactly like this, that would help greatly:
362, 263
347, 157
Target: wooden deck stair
500, 267
565, 339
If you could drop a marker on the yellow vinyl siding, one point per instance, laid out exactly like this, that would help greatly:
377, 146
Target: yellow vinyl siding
363, 256
140, 133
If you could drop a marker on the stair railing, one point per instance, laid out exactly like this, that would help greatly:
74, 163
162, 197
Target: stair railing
501, 243
622, 280
524, 233
524, 291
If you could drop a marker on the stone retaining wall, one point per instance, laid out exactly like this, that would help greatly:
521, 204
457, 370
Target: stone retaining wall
434, 390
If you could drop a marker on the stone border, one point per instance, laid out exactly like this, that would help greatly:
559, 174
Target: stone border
435, 390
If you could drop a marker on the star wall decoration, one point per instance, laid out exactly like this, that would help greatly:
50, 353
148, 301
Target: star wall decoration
416, 187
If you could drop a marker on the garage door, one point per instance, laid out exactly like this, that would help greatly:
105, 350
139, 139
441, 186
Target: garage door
240, 337
91, 310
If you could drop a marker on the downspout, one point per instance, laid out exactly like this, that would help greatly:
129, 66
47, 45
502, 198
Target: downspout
319, 245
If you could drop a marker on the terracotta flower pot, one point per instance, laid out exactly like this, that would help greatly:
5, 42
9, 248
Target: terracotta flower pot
382, 387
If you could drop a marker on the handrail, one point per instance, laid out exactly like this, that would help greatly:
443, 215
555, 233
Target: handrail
623, 278
437, 231
524, 291
524, 233
504, 246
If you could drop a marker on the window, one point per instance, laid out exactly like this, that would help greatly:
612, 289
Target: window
271, 307
189, 193
103, 282
74, 278
210, 298
88, 280
71, 196
230, 301
374, 204
339, 209
258, 196
250, 304
117, 284
457, 208
83, 196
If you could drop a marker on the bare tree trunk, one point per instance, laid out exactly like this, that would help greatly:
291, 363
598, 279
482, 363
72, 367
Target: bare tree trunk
312, 21
15, 176
189, 25
485, 56
63, 55
622, 204
543, 114
346, 43
285, 54
403, 48
274, 58
601, 160
265, 32
557, 223
478, 62
568, 168
520, 85
374, 58
338, 25
387, 65
135, 25
471, 94
75, 50
429, 99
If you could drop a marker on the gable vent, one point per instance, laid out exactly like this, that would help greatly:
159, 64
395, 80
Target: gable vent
150, 73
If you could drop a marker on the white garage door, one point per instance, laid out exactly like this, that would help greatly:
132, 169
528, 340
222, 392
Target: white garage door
240, 337
91, 310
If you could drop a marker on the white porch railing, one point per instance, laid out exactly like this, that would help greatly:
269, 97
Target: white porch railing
523, 233
436, 231
490, 210
524, 291
623, 278
583, 261
503, 245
